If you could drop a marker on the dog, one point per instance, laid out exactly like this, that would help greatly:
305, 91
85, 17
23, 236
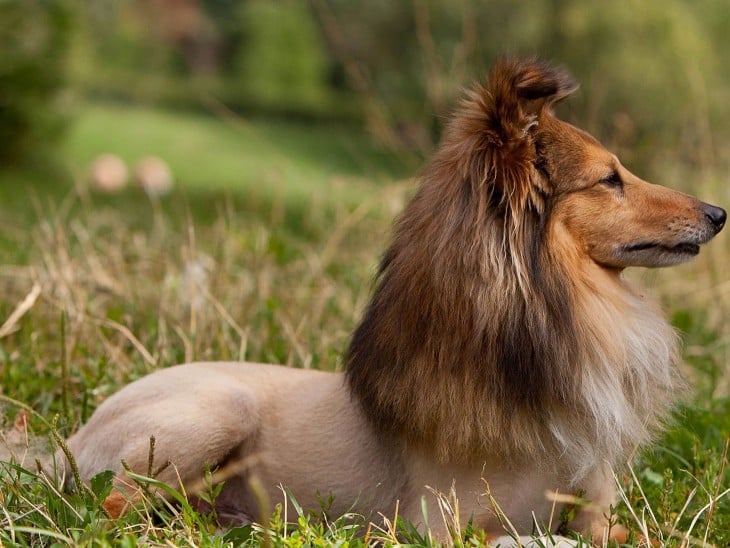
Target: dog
503, 352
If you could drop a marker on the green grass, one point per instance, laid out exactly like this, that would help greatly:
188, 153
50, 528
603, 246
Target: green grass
282, 225
238, 155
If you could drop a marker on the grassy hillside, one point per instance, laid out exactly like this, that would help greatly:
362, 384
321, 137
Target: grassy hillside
265, 251
232, 153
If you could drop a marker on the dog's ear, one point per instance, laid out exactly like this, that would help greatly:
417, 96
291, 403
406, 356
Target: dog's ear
516, 93
534, 80
491, 136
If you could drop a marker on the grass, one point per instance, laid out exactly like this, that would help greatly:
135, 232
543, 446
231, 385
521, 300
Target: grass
266, 158
265, 252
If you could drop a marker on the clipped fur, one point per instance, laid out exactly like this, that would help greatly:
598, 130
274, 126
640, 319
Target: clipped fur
502, 351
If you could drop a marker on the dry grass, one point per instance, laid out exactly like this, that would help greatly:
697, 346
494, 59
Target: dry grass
140, 298
93, 297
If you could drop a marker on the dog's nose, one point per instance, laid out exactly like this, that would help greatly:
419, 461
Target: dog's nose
716, 215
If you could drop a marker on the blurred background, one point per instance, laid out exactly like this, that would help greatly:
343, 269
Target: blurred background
148, 143
654, 77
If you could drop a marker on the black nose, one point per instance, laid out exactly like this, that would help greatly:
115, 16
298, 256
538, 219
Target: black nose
716, 215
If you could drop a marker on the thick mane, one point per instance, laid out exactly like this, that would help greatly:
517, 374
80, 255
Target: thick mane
482, 336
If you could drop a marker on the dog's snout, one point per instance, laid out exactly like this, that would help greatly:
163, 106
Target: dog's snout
716, 215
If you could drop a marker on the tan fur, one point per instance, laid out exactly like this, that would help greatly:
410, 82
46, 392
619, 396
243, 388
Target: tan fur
502, 346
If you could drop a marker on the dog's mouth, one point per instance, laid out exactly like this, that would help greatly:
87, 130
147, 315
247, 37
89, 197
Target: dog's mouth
683, 248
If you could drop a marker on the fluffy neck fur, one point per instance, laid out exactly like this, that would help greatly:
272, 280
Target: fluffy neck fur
456, 351
490, 336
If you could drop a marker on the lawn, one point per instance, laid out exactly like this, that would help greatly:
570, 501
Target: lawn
235, 154
264, 251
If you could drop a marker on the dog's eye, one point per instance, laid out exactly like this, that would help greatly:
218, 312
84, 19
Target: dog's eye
612, 180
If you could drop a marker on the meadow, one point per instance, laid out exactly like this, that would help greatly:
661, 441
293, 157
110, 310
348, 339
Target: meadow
266, 251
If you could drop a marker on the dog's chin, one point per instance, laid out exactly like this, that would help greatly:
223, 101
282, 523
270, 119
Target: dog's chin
656, 254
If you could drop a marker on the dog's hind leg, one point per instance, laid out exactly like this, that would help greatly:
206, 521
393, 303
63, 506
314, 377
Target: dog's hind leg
194, 430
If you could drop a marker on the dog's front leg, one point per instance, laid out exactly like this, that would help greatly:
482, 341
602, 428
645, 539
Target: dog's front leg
594, 520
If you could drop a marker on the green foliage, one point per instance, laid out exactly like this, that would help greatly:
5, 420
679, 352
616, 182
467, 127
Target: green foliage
646, 69
35, 36
280, 61
651, 72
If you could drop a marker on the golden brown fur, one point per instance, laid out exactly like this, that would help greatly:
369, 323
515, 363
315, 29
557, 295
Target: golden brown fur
489, 297
502, 343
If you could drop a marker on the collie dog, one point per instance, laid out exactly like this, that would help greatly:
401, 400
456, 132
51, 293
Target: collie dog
503, 352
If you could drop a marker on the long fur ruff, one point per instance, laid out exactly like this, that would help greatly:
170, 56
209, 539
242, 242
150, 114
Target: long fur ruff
487, 332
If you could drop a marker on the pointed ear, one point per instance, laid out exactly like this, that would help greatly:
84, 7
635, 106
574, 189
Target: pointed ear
490, 136
534, 80
518, 91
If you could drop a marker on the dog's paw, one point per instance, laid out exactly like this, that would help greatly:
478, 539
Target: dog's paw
116, 504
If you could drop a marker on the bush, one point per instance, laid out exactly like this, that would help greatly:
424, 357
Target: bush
280, 61
35, 37
650, 73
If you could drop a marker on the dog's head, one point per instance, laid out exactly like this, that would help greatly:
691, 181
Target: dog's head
541, 170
